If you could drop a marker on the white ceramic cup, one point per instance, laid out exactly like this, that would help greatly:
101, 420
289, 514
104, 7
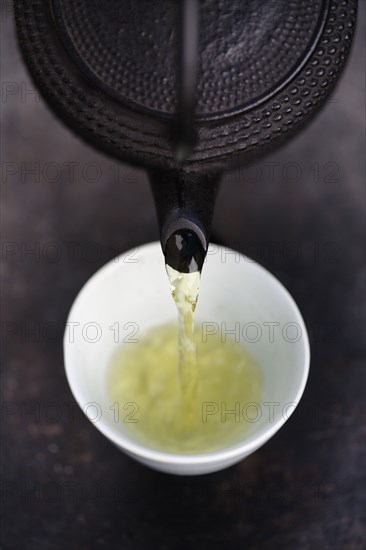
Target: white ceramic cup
131, 294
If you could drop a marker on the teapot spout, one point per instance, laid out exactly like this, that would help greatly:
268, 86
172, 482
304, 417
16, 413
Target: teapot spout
184, 204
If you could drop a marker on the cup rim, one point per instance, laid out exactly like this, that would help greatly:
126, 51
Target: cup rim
168, 458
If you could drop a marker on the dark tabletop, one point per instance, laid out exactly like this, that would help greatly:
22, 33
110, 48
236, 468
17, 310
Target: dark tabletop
300, 214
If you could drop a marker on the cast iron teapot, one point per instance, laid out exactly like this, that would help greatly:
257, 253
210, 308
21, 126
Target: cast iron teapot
185, 88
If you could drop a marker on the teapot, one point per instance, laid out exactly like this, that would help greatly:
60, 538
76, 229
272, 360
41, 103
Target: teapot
185, 88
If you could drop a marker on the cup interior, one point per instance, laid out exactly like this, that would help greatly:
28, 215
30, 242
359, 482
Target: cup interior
238, 297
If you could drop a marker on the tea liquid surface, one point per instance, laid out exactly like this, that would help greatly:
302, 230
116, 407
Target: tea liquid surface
196, 409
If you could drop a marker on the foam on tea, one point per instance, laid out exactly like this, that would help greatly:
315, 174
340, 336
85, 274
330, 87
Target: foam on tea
214, 416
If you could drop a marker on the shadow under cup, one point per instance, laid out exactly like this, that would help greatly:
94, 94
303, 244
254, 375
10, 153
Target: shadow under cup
238, 297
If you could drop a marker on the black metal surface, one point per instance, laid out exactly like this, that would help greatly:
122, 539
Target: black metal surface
184, 252
188, 25
184, 202
247, 50
275, 60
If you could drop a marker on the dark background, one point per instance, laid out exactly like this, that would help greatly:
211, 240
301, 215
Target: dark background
300, 213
